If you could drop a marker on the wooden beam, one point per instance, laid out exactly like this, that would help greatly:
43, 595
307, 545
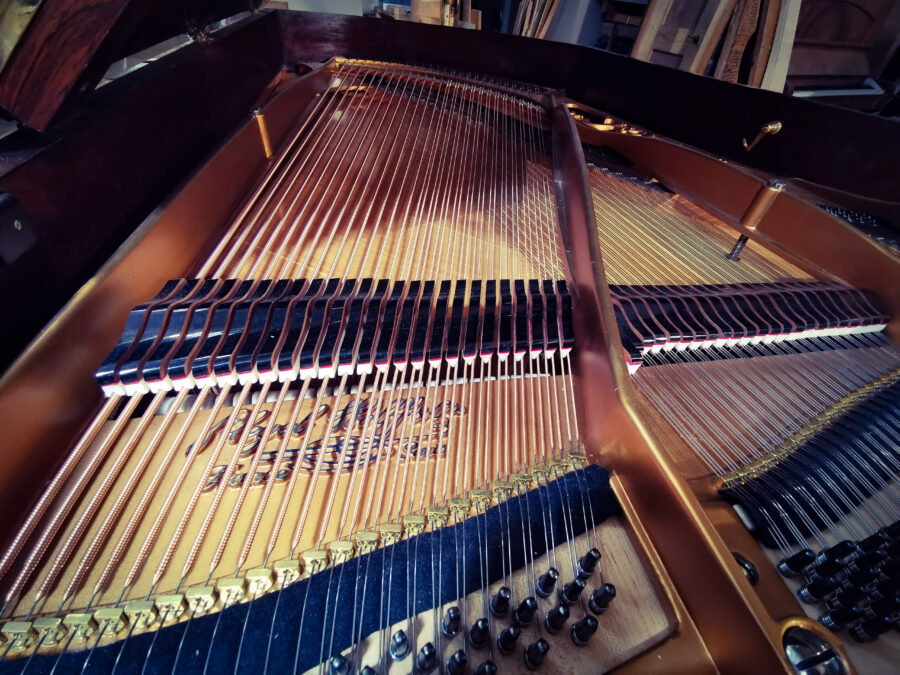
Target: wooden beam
765, 35
741, 29
653, 20
712, 24
782, 45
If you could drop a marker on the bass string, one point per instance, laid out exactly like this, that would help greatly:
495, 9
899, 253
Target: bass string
154, 584
309, 131
289, 491
402, 432
361, 386
317, 469
62, 511
327, 155
812, 368
200, 397
50, 494
411, 597
377, 388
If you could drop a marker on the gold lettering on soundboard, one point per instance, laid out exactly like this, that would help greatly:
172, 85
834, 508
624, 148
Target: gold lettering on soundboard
406, 428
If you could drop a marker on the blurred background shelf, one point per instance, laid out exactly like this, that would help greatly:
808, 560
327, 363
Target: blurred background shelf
843, 52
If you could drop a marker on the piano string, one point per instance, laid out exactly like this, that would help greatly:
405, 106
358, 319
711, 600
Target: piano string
422, 203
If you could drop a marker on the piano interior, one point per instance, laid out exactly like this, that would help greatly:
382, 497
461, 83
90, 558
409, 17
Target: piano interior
426, 369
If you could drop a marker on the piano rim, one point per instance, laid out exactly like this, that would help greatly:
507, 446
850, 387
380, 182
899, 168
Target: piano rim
648, 481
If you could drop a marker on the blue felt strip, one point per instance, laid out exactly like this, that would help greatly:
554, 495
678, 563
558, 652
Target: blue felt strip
409, 564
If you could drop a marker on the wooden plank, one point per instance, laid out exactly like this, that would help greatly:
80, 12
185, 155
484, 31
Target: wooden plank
553, 5
711, 26
764, 37
426, 11
535, 20
520, 17
653, 21
526, 16
742, 27
782, 45
671, 39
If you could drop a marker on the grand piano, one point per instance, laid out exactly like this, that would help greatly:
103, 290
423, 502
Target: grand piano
637, 383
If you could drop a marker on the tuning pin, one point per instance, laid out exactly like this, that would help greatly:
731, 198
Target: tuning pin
815, 591
525, 611
487, 668
862, 578
845, 598
885, 589
872, 542
570, 593
506, 641
892, 530
451, 622
500, 602
825, 569
556, 618
338, 665
399, 645
546, 582
795, 564
869, 629
426, 659
840, 617
480, 633
583, 630
601, 598
456, 665
891, 569
837, 552
588, 562
893, 549
368, 670
888, 605
865, 561
535, 653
